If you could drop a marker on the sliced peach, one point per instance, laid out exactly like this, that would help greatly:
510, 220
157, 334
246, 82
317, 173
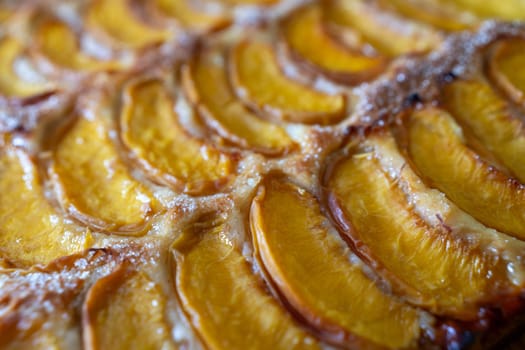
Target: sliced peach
482, 112
260, 82
43, 339
311, 269
192, 18
152, 131
125, 310
388, 39
94, 184
58, 43
27, 326
56, 331
31, 232
506, 68
374, 212
434, 12
227, 305
117, 20
11, 83
436, 146
5, 14
306, 36
438, 211
39, 304
506, 10
206, 83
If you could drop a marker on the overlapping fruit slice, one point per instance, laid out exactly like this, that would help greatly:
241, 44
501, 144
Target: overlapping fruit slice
434, 12
187, 16
260, 82
37, 304
41, 339
312, 270
306, 36
506, 68
391, 40
125, 310
436, 145
118, 21
206, 83
12, 84
227, 304
506, 10
94, 184
483, 113
152, 131
54, 331
31, 231
437, 210
5, 14
386, 228
58, 43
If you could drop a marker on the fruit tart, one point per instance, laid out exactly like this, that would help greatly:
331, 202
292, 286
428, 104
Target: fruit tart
262, 174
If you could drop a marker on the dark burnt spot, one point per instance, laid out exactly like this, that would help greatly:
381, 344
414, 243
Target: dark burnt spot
466, 339
448, 77
454, 337
20, 129
412, 99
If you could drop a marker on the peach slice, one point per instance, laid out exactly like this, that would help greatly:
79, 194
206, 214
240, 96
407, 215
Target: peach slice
39, 303
259, 81
93, 183
57, 42
116, 19
434, 12
11, 84
192, 18
506, 10
438, 211
506, 68
31, 232
312, 270
306, 36
43, 339
385, 229
437, 148
5, 14
482, 112
125, 310
152, 131
206, 83
388, 39
226, 304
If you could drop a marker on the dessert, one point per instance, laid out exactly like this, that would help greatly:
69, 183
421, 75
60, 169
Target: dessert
262, 174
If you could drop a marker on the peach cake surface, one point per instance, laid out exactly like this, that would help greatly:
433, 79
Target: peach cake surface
262, 174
